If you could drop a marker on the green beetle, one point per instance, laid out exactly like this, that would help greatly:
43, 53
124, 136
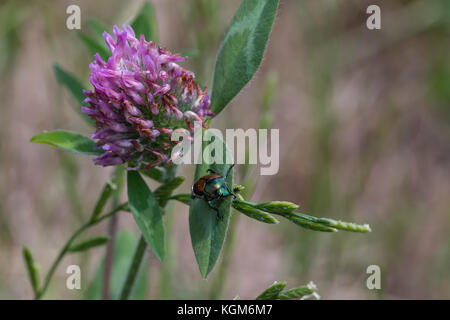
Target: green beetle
212, 187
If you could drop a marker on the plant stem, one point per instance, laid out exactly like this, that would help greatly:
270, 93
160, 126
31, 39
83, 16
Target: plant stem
109, 257
112, 231
134, 269
66, 247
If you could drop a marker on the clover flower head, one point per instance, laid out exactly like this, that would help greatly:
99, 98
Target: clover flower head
139, 97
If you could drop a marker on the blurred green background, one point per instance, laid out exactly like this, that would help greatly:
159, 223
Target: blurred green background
364, 120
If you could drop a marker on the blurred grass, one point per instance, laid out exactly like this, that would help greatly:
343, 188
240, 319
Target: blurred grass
123, 253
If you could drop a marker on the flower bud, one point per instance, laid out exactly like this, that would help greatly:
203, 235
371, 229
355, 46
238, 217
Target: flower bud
347, 226
299, 292
272, 292
308, 222
277, 207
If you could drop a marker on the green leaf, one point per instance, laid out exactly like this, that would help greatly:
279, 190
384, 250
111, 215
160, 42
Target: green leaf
104, 197
146, 212
98, 28
156, 174
145, 23
163, 192
32, 270
88, 244
242, 50
207, 231
67, 140
271, 293
95, 46
124, 247
68, 80
182, 197
75, 87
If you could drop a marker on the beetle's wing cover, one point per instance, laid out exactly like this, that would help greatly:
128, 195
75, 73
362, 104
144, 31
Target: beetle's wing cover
199, 186
211, 177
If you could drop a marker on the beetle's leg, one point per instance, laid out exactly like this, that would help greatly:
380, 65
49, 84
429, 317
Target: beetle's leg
228, 171
231, 192
209, 199
207, 196
215, 209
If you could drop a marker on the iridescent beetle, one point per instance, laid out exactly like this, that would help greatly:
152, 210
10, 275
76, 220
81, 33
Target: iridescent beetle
212, 187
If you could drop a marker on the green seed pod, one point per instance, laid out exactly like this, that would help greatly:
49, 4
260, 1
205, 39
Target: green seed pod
277, 207
308, 223
252, 212
347, 226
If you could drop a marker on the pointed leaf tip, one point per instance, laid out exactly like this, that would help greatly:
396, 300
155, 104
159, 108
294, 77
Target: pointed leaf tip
206, 228
242, 49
